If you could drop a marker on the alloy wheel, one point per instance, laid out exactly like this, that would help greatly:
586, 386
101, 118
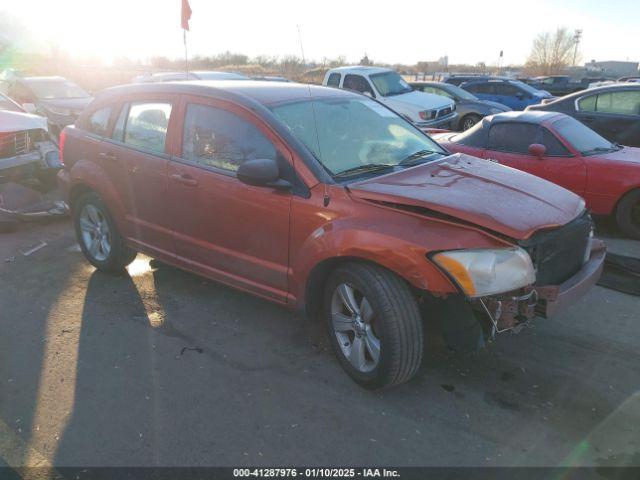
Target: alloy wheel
95, 233
354, 325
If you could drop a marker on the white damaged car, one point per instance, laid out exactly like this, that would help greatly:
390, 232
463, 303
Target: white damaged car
26, 149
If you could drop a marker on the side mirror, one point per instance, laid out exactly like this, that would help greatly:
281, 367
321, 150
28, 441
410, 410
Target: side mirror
262, 173
520, 95
537, 149
29, 107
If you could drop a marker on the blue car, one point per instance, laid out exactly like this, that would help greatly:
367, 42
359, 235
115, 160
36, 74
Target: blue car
512, 93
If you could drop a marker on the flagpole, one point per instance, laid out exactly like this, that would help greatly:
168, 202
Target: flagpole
186, 58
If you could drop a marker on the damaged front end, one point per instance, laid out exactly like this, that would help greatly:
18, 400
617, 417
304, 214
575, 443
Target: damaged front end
564, 264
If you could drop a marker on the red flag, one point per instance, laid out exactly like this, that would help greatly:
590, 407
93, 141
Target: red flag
186, 14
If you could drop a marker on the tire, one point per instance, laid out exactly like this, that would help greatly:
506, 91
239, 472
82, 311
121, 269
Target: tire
469, 121
94, 224
390, 315
628, 214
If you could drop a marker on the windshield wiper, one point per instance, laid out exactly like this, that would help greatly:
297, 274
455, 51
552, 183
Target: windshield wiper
419, 155
600, 150
366, 167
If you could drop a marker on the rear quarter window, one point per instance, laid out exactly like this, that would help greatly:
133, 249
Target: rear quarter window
98, 121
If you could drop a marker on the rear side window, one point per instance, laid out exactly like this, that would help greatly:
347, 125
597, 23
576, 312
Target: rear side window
624, 103
99, 121
486, 88
513, 137
334, 80
146, 126
217, 138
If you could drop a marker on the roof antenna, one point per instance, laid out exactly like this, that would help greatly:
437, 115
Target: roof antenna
326, 197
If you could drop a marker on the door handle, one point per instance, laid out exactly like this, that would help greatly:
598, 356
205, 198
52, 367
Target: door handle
184, 179
107, 156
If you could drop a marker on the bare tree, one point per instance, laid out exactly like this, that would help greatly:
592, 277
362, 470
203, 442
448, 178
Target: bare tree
552, 52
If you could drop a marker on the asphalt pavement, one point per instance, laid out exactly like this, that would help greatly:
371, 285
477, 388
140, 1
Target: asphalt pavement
163, 368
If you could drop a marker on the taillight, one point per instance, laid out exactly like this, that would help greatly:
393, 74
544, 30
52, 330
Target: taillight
63, 136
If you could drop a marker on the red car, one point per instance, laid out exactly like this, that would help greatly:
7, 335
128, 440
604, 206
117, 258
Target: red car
325, 201
562, 150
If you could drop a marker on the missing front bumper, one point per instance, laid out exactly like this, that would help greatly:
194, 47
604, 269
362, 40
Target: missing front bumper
510, 311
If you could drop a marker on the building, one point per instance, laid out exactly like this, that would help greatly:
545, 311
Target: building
613, 69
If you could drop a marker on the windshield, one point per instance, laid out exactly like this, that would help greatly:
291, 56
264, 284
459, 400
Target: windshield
49, 89
390, 83
583, 139
348, 133
7, 104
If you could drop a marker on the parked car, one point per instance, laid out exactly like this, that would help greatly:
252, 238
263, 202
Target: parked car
612, 110
327, 202
25, 148
386, 86
7, 103
559, 85
469, 107
184, 76
459, 79
512, 93
56, 98
562, 150
270, 78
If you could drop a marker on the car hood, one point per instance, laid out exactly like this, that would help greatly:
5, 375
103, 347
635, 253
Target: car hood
70, 103
483, 193
626, 154
419, 100
18, 121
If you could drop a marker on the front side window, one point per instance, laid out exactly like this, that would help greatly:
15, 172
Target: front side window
334, 80
146, 126
481, 88
218, 138
553, 146
357, 83
513, 137
347, 133
507, 89
624, 103
99, 121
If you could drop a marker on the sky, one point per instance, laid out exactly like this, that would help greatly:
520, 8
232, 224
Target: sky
390, 32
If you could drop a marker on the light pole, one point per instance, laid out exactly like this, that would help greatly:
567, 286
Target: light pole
577, 35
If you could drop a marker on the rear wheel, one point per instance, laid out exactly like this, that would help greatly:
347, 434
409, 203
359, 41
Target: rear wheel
374, 325
98, 235
628, 214
469, 121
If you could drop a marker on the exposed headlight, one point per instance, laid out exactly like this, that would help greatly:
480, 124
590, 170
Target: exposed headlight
60, 111
427, 114
486, 272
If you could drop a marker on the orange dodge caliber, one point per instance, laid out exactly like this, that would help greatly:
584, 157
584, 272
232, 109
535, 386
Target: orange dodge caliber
328, 202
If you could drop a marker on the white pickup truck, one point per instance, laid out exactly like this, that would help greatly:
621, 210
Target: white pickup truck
425, 110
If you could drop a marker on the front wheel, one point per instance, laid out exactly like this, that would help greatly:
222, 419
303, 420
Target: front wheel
628, 214
469, 121
98, 235
374, 325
